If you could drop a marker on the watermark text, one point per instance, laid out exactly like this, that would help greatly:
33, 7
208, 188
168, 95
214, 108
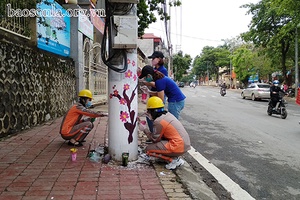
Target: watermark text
53, 12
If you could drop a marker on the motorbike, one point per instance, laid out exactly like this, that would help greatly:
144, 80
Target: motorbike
279, 109
223, 91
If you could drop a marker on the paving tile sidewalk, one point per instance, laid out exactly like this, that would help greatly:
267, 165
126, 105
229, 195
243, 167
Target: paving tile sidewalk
36, 164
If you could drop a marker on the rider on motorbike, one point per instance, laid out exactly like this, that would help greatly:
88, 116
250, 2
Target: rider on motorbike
223, 88
274, 93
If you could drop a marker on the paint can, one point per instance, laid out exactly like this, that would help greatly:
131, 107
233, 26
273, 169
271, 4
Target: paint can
125, 159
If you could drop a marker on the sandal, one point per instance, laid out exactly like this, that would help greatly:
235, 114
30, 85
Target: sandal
76, 144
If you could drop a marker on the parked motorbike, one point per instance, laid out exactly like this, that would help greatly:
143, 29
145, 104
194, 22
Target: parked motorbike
223, 91
279, 109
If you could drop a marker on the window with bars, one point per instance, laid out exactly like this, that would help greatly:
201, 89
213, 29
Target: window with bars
99, 71
15, 17
95, 71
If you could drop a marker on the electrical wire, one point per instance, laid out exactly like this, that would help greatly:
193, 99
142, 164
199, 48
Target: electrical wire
181, 24
192, 37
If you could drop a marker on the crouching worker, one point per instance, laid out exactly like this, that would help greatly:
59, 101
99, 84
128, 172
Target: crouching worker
169, 137
78, 121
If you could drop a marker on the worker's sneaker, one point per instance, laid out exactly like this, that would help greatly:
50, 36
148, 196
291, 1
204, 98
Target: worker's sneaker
176, 162
143, 159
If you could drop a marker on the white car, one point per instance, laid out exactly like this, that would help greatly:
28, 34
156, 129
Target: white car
256, 91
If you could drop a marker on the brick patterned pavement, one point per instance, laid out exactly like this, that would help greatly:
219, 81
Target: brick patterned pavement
36, 165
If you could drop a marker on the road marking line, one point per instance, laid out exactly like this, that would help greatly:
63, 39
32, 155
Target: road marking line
235, 190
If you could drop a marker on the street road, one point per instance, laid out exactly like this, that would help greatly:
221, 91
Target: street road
258, 152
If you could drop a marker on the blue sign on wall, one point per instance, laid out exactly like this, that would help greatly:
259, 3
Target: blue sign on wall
253, 78
53, 28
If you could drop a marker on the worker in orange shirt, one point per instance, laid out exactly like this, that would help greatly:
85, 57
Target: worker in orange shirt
78, 121
170, 139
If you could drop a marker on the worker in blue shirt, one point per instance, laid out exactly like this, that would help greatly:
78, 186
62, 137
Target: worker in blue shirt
164, 86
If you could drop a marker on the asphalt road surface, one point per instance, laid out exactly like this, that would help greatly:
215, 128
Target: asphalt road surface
260, 153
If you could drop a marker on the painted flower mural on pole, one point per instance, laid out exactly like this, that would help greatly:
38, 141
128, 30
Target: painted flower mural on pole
127, 116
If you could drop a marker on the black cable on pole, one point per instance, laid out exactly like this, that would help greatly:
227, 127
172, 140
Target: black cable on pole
113, 53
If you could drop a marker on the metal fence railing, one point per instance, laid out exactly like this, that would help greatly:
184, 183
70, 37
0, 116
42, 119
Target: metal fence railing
14, 16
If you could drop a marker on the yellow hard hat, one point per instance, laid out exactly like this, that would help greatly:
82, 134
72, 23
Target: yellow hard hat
155, 102
85, 93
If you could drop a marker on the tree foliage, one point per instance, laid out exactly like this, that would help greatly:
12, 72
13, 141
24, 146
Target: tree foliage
199, 67
248, 60
243, 63
210, 60
181, 64
273, 28
287, 7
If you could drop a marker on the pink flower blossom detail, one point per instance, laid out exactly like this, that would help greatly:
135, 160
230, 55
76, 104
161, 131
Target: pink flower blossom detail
124, 116
127, 117
128, 74
116, 92
126, 86
128, 61
122, 101
133, 63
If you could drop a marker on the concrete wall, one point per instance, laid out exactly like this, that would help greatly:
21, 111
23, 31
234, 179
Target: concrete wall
35, 86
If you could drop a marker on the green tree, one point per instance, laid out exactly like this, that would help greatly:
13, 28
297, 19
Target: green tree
199, 68
248, 60
210, 60
243, 62
181, 64
287, 7
222, 59
273, 29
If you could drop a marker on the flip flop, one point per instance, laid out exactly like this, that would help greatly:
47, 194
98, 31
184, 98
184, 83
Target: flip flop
76, 144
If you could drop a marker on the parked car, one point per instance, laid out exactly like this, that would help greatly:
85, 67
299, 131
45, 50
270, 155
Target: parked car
181, 84
256, 91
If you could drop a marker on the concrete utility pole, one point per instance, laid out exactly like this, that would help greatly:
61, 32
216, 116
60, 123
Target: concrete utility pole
122, 84
170, 64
